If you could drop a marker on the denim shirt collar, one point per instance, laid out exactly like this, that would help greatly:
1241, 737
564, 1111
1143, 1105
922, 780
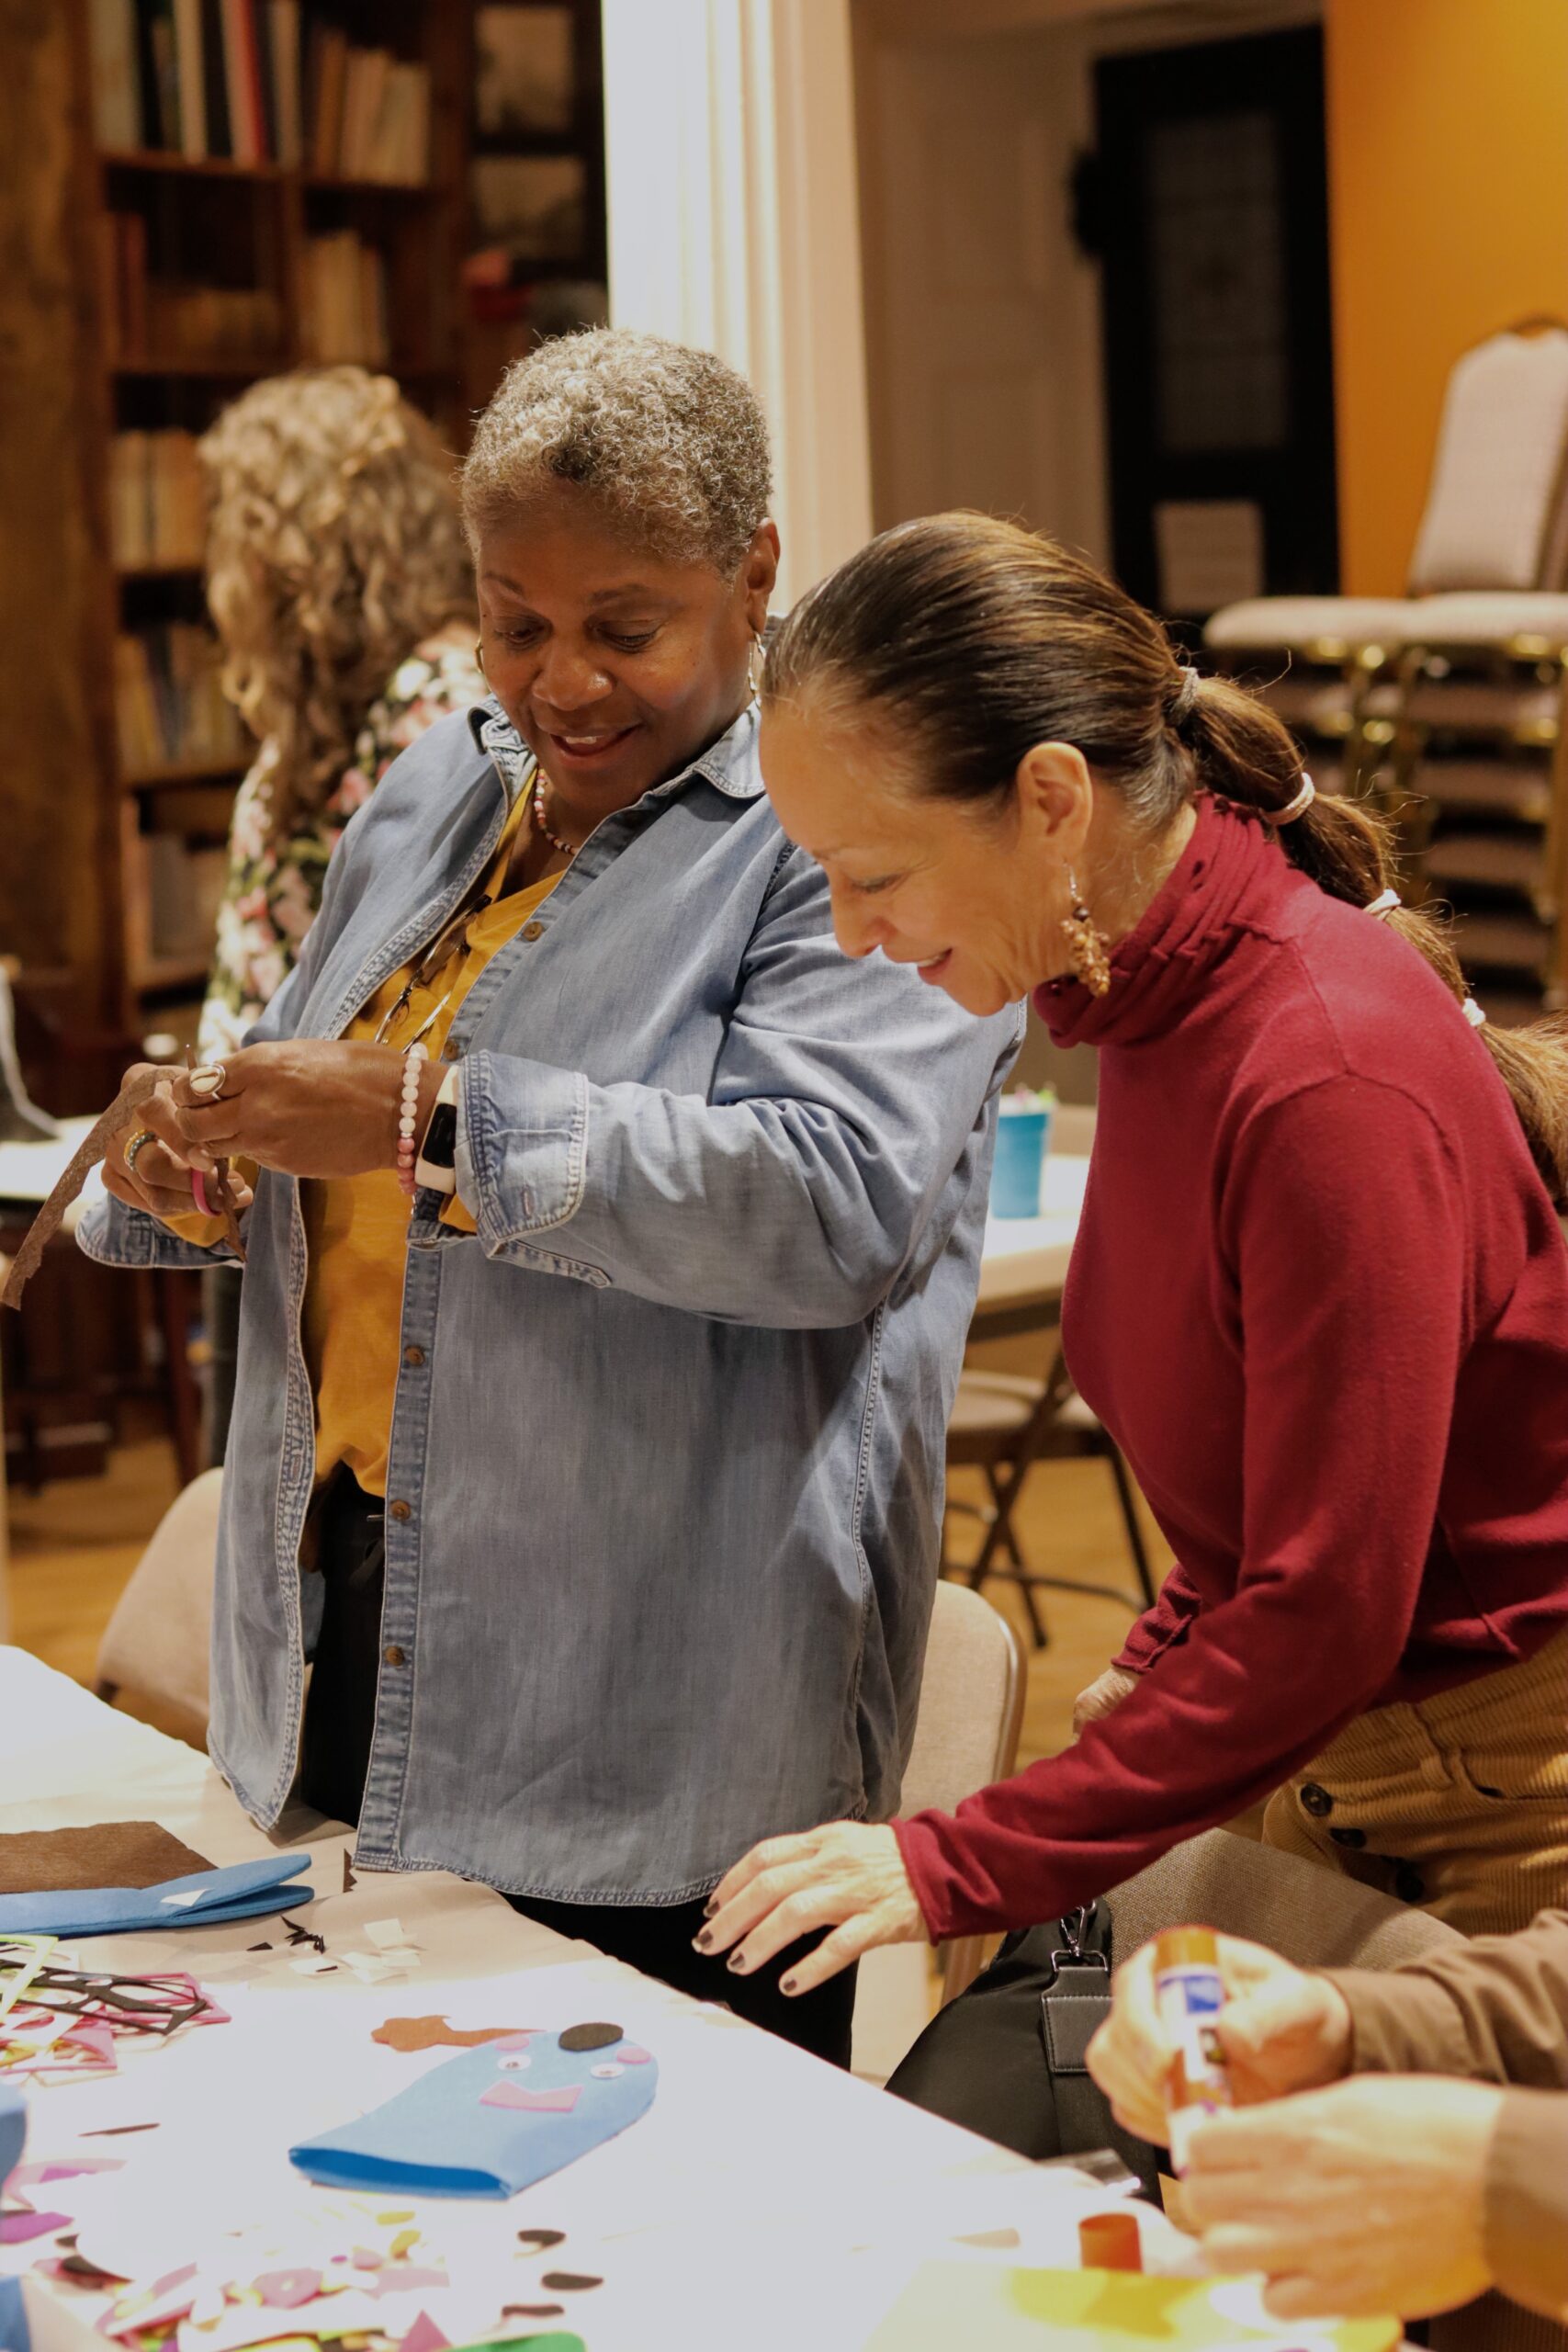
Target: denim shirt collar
729, 764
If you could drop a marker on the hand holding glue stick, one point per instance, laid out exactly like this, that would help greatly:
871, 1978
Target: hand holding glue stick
1189, 1993
1278, 2030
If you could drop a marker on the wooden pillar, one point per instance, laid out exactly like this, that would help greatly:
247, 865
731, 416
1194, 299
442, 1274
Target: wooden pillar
58, 855
733, 209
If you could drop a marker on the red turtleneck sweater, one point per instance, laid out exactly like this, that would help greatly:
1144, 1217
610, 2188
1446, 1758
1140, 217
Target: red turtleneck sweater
1320, 1299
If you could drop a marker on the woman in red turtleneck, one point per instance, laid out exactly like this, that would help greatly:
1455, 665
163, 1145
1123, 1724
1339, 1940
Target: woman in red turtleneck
1319, 1293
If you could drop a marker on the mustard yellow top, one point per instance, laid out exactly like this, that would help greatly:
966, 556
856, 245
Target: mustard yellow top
356, 1227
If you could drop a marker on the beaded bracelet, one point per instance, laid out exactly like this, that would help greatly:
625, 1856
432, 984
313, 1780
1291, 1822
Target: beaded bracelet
408, 1115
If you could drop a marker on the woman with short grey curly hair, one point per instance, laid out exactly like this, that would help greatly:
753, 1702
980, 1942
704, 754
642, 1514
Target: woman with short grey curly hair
610, 1246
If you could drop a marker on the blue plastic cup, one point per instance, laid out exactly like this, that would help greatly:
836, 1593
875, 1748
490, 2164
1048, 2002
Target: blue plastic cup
1023, 1138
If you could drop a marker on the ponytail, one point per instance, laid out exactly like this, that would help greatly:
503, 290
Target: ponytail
1242, 753
972, 640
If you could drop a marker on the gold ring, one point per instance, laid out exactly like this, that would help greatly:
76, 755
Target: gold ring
142, 1135
207, 1083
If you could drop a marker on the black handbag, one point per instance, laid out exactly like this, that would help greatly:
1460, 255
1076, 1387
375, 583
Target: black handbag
1006, 2059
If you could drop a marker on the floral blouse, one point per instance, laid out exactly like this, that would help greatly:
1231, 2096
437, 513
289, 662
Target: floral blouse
272, 892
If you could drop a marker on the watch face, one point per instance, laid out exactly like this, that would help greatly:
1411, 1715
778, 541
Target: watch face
440, 1149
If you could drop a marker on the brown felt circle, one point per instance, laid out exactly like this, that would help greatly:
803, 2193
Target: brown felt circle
531, 2311
590, 2037
540, 2239
562, 2282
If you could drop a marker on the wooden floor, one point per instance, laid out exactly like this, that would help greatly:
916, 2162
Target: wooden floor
74, 1546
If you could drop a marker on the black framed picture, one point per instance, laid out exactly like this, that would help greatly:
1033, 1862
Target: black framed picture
525, 75
535, 207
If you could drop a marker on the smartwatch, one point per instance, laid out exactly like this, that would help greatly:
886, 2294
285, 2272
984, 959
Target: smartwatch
437, 1167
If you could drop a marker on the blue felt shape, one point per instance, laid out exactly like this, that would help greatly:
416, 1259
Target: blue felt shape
13, 2130
14, 2335
442, 2138
244, 1891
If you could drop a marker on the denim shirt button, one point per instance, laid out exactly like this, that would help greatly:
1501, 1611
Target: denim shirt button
401, 1511
532, 930
413, 1356
394, 1655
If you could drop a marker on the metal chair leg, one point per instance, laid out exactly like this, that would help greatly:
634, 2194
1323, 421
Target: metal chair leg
1001, 1538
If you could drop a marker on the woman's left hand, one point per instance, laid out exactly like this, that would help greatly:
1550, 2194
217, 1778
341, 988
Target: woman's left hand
307, 1107
848, 1875
1365, 2198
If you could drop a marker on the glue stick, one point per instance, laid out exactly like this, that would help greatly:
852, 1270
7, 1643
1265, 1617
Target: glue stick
1188, 1995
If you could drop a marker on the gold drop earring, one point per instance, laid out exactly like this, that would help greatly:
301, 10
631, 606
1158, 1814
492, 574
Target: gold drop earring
1086, 945
754, 666
479, 655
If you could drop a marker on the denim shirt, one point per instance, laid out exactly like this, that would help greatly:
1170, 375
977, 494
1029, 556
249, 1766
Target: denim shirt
665, 1479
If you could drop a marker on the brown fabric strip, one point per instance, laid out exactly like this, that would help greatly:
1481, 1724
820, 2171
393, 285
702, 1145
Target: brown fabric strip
106, 1853
139, 1087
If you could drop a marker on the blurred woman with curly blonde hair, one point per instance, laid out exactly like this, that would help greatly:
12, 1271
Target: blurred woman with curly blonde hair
339, 581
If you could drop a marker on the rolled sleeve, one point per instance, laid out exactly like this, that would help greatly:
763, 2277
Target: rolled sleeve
112, 1235
1402, 2023
521, 1148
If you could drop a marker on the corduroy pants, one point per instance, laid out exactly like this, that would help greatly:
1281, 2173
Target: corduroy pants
1460, 1804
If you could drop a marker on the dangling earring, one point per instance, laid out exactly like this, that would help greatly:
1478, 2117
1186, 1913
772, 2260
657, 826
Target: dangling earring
479, 655
754, 667
1086, 944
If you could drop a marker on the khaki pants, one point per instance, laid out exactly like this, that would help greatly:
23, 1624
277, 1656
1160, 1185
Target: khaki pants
1460, 1804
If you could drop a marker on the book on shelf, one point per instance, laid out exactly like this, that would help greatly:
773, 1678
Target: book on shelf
152, 317
117, 95
157, 499
170, 708
343, 308
247, 81
174, 888
367, 112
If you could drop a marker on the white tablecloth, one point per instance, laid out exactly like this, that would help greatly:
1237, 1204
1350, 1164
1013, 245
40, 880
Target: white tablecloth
1025, 1258
755, 2164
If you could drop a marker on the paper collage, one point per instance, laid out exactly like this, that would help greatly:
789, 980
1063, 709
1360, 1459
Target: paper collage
488, 2123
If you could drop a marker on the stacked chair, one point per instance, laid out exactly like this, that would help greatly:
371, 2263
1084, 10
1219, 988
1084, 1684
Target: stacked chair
1446, 705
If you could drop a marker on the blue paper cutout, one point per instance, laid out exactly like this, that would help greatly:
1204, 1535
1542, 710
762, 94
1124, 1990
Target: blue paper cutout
442, 2138
206, 1899
13, 2131
14, 2335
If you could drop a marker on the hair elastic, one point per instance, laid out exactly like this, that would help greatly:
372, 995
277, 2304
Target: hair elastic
1385, 904
1473, 1013
1293, 808
1186, 694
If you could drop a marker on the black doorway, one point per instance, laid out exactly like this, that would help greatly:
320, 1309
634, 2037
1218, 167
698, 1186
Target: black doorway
1211, 220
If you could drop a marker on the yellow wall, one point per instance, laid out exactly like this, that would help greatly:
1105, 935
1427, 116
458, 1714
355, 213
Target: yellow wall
1447, 158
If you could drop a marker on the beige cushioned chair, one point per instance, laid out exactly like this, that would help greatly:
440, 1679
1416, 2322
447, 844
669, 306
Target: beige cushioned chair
1494, 520
156, 1642
1313, 1916
971, 1693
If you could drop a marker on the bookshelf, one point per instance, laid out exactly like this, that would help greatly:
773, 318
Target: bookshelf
206, 249
159, 264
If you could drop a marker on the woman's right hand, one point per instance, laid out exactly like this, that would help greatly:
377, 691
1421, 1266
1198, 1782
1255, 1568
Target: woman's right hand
1281, 2029
160, 1183
1104, 1693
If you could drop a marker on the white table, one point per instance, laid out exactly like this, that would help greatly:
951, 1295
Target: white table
755, 2162
29, 1172
1024, 1260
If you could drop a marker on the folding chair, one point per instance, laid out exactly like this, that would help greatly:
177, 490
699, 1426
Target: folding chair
1002, 1424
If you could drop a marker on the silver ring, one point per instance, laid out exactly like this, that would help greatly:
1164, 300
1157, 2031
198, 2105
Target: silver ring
142, 1135
207, 1081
